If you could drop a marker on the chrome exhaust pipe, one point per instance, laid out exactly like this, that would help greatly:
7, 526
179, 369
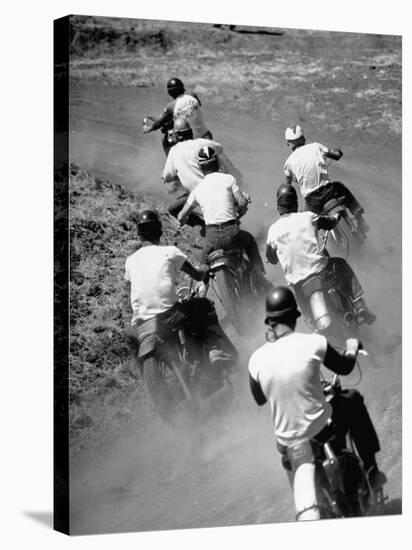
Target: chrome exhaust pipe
319, 310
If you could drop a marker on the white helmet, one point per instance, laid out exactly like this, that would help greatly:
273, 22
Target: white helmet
293, 133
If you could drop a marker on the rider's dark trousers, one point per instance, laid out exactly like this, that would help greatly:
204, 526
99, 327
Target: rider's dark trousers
228, 236
349, 413
316, 199
344, 276
176, 206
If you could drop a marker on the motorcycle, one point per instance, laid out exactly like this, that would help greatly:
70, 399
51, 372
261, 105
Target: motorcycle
326, 307
336, 485
235, 285
347, 231
174, 365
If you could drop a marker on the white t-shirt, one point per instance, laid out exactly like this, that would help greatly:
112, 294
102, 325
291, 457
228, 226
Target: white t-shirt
294, 238
152, 272
187, 107
215, 196
307, 165
182, 162
288, 371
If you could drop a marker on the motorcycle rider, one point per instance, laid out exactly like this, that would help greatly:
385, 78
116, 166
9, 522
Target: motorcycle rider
182, 171
293, 242
221, 203
307, 166
152, 272
184, 105
286, 372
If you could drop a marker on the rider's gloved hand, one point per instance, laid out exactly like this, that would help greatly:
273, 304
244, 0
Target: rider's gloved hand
353, 345
146, 125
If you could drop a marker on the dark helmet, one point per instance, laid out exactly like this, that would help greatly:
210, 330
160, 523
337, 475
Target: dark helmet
149, 224
182, 130
281, 306
287, 199
175, 87
208, 160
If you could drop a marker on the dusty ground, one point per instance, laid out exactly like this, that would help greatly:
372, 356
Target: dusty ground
344, 89
337, 82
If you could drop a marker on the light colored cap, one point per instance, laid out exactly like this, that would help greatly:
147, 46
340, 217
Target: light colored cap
293, 133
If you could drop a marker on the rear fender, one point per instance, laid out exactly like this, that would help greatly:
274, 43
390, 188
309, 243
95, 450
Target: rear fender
220, 258
148, 345
145, 329
147, 336
219, 263
311, 285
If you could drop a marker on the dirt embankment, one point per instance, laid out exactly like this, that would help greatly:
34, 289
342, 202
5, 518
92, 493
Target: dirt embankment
105, 387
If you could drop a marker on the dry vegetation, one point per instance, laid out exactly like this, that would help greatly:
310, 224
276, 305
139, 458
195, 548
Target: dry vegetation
105, 385
345, 81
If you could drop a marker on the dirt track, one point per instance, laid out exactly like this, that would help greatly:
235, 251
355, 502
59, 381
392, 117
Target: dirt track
230, 474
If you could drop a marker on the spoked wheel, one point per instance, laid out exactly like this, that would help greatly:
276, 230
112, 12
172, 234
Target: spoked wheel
168, 391
357, 489
226, 287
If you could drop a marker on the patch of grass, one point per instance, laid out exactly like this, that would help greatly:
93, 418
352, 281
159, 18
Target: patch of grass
321, 77
105, 384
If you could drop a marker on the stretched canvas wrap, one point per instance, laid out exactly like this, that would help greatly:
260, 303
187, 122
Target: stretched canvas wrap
160, 414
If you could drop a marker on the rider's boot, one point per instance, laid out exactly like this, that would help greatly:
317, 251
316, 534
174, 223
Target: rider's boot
376, 478
362, 225
220, 362
363, 313
360, 220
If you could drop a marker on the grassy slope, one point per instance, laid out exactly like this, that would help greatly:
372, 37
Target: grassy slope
348, 83
105, 387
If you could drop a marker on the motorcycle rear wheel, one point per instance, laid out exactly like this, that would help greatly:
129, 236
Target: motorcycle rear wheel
166, 395
227, 290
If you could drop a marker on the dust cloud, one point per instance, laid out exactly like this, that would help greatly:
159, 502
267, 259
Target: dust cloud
196, 474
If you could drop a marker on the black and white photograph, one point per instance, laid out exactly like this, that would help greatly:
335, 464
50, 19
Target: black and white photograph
234, 243
207, 211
